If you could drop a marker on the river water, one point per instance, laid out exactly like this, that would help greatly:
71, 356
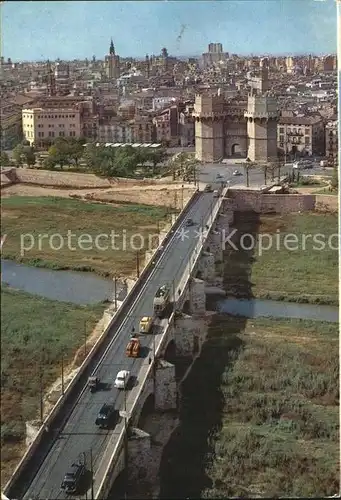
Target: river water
87, 288
66, 286
277, 309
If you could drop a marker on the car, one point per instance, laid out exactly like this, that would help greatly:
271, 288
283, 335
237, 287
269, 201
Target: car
219, 176
122, 379
236, 172
106, 416
208, 188
73, 478
93, 383
216, 193
146, 324
189, 222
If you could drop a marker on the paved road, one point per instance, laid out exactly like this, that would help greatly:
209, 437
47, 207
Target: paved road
208, 173
80, 433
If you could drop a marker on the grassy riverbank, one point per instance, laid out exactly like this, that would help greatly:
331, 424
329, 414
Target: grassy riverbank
25, 218
259, 413
35, 332
302, 275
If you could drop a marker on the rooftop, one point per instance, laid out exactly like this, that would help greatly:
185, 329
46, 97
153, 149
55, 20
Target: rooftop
299, 120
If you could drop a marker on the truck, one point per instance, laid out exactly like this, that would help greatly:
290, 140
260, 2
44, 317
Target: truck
133, 348
146, 324
161, 300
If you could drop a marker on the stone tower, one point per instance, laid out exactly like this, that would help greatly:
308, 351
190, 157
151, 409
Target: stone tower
209, 127
262, 117
112, 63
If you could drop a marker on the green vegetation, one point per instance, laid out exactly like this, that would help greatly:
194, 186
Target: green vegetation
259, 413
4, 159
35, 334
303, 275
71, 154
24, 153
47, 216
327, 191
184, 166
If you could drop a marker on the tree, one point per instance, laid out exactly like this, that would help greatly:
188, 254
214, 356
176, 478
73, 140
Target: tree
57, 156
24, 154
334, 183
4, 160
248, 165
18, 154
271, 169
30, 157
75, 150
156, 157
265, 168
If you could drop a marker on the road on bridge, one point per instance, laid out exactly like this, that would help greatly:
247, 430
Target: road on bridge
80, 433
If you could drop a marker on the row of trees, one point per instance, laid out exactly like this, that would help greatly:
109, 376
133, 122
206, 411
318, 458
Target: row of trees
101, 160
270, 169
22, 154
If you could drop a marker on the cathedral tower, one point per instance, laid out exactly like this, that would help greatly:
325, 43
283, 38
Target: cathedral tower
112, 63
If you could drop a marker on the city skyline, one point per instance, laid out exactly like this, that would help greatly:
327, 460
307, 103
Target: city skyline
243, 27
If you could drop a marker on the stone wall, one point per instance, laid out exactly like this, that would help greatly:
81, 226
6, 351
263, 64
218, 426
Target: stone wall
248, 200
165, 386
61, 179
325, 202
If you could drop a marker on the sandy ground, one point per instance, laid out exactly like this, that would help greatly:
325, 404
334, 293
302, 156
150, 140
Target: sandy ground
162, 194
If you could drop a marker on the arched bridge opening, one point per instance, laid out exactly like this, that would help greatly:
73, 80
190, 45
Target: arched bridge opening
170, 352
147, 408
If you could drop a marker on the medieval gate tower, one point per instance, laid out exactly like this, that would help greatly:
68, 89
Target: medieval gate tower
262, 117
239, 128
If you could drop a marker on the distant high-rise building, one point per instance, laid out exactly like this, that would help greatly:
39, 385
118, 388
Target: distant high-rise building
215, 48
214, 55
112, 63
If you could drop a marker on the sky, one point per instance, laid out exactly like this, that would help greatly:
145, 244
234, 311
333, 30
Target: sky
76, 29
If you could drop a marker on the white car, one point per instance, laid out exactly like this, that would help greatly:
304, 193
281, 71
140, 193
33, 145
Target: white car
236, 172
219, 176
122, 379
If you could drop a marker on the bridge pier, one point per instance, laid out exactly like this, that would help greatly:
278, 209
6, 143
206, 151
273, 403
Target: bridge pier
215, 246
189, 333
139, 454
165, 386
197, 296
206, 266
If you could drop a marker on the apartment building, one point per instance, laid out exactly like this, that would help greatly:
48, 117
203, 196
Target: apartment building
143, 129
162, 128
115, 131
167, 127
332, 142
11, 119
300, 136
187, 127
43, 124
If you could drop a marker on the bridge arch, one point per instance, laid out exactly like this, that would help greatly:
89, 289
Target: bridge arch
170, 352
147, 408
